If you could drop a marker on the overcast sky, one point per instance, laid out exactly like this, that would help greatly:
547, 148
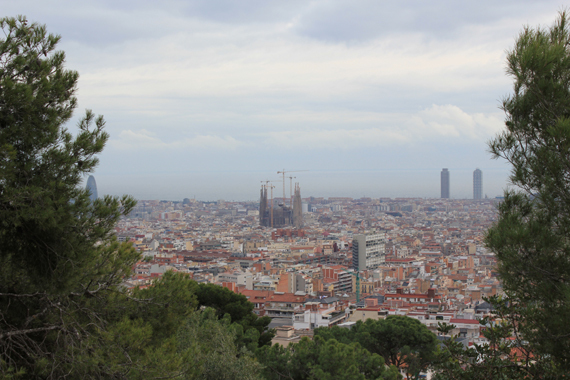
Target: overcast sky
207, 98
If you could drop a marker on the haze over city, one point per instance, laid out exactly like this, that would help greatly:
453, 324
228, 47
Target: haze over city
206, 99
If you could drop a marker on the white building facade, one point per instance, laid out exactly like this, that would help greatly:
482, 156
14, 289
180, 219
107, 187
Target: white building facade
368, 251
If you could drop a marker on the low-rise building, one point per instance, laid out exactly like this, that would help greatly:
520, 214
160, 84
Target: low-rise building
324, 312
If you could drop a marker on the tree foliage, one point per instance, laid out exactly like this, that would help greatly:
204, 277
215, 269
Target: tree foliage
324, 360
402, 341
165, 305
64, 311
254, 330
59, 264
531, 237
505, 356
529, 335
211, 344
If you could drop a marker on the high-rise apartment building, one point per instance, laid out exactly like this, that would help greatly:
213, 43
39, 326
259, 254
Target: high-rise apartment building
368, 251
477, 184
445, 183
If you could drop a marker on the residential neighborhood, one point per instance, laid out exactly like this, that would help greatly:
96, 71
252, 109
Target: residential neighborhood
424, 258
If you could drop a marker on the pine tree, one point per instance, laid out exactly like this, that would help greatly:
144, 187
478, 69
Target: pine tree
323, 359
60, 267
529, 333
531, 238
402, 341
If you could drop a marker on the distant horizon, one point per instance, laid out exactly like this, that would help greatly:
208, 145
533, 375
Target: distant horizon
209, 187
317, 197
374, 98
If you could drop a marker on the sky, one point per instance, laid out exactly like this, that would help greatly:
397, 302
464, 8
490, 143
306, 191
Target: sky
207, 98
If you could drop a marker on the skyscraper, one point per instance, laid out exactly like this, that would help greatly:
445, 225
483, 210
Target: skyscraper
92, 187
445, 183
477, 184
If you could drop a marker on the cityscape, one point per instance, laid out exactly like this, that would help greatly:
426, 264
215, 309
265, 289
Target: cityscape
356, 258
284, 190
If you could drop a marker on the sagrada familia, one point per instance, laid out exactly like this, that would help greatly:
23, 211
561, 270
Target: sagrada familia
280, 215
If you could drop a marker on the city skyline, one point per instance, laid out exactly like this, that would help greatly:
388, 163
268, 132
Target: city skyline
238, 91
421, 184
311, 170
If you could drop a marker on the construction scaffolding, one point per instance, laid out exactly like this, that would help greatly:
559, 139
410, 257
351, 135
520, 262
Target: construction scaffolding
278, 215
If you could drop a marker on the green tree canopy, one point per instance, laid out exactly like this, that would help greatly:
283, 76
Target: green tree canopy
529, 335
224, 301
323, 359
64, 312
402, 341
210, 345
531, 238
505, 356
59, 262
254, 330
165, 305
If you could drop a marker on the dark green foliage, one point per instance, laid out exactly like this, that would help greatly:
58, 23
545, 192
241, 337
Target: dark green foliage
165, 337
254, 332
506, 356
165, 305
59, 264
402, 341
323, 359
42, 164
530, 334
530, 238
210, 345
64, 312
224, 301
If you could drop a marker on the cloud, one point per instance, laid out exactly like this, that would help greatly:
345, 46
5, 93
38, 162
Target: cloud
431, 124
361, 20
243, 84
335, 139
328, 131
246, 63
450, 120
145, 140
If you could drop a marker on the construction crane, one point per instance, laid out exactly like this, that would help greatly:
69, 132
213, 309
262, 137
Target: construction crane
288, 171
357, 275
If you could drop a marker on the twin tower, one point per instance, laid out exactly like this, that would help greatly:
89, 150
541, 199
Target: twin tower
477, 184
